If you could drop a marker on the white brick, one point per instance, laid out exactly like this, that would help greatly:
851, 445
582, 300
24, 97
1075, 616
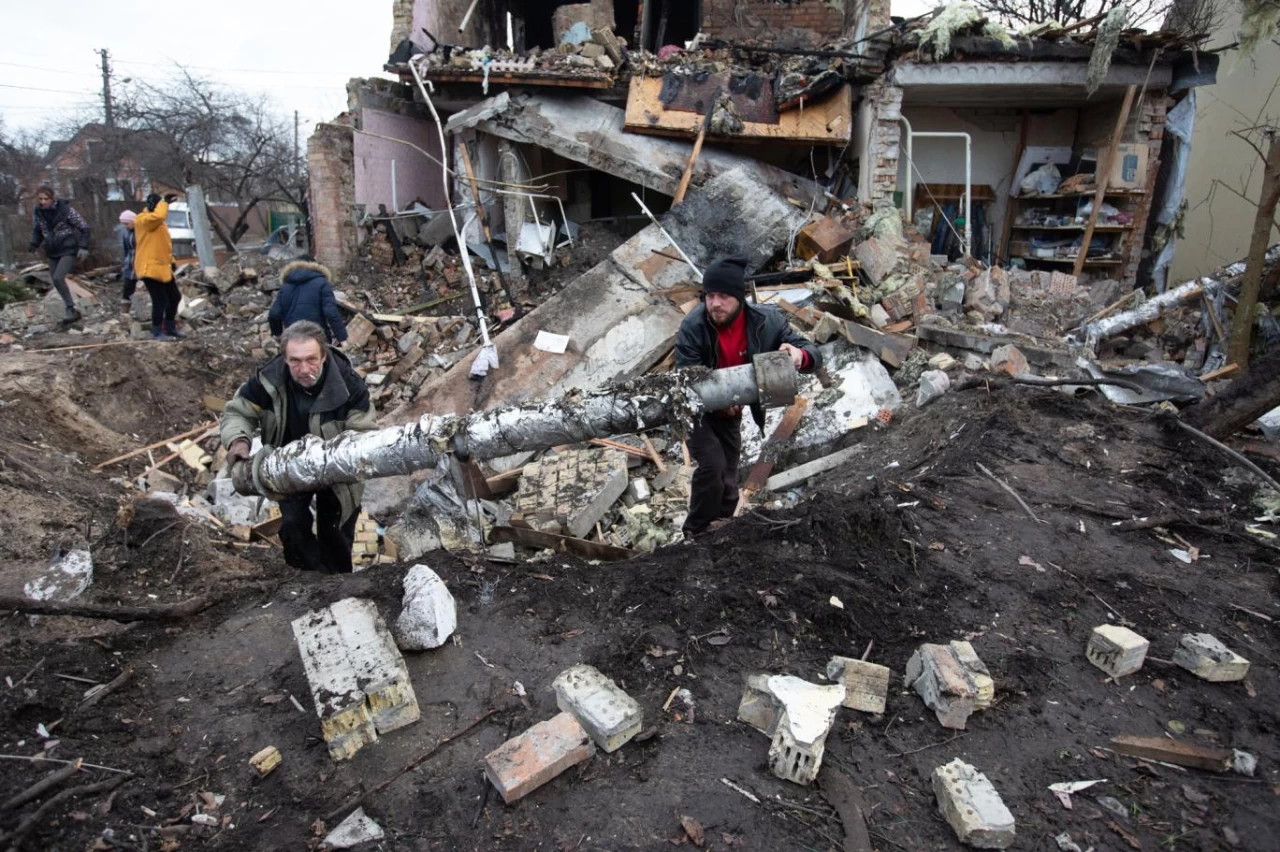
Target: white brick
607, 713
1207, 658
429, 615
972, 806
865, 684
1116, 650
379, 668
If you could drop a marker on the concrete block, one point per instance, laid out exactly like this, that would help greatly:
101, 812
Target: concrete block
1116, 650
865, 684
430, 614
878, 315
412, 539
1009, 359
359, 330
65, 579
358, 679
942, 361
607, 713
979, 674
1208, 659
379, 667
972, 807
933, 384
879, 256
355, 829
799, 742
639, 490
758, 707
523, 764
940, 679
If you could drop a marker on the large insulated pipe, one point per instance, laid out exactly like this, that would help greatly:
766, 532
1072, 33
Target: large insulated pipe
676, 397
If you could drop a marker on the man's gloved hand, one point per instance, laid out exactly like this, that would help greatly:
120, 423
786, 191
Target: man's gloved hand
152, 201
82, 254
239, 450
170, 198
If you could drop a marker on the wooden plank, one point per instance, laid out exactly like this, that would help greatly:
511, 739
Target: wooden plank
761, 470
1220, 372
639, 452
829, 121
1173, 751
841, 794
504, 483
1104, 175
189, 433
892, 349
653, 454
1024, 121
214, 403
806, 315
560, 543
898, 327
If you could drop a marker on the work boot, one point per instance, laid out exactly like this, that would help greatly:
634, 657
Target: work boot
171, 329
71, 315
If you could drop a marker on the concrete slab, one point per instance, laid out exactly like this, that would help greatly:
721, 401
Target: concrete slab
614, 322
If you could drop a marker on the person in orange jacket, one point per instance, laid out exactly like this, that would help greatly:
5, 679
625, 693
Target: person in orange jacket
153, 262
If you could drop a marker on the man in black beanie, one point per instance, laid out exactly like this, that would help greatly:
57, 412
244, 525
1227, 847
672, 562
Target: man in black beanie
726, 331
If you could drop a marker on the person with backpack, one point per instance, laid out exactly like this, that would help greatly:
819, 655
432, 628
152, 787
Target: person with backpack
153, 263
65, 236
306, 294
128, 249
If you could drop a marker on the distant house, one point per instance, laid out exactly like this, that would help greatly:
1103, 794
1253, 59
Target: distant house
93, 167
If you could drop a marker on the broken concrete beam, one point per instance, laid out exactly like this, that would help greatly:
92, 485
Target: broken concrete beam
865, 684
1116, 650
355, 830
265, 761
590, 132
972, 807
1208, 659
987, 343
758, 707
618, 326
951, 680
65, 579
1172, 751
825, 240
358, 679
430, 614
523, 764
607, 713
796, 475
799, 740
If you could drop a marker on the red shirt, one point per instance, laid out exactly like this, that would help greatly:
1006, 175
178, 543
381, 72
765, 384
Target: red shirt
732, 343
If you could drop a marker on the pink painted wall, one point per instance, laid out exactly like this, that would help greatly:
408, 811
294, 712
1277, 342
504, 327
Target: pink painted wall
416, 176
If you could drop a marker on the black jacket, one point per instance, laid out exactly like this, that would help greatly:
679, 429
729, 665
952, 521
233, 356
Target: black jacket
306, 294
128, 247
698, 342
60, 229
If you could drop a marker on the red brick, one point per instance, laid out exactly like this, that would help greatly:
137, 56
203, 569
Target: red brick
521, 765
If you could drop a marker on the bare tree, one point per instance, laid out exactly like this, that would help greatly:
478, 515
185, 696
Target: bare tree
190, 130
1017, 14
21, 158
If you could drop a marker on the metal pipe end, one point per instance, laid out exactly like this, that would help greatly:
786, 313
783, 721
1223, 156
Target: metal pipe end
776, 379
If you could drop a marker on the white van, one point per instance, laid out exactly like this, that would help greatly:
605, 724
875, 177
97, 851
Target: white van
180, 230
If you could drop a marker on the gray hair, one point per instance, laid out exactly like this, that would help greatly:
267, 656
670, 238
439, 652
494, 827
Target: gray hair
303, 330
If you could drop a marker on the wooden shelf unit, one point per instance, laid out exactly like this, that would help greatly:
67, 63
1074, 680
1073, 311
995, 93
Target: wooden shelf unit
1021, 202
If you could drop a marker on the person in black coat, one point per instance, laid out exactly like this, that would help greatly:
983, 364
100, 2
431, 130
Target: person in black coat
306, 294
65, 236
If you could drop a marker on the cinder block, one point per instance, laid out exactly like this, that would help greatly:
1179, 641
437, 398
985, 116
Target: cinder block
972, 806
1116, 650
607, 713
357, 677
865, 684
799, 742
1208, 659
523, 764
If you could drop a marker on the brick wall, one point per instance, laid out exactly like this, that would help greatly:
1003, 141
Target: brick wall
816, 21
1149, 125
883, 145
331, 160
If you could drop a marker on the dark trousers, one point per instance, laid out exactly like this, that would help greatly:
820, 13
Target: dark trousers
59, 269
716, 445
328, 549
128, 287
164, 303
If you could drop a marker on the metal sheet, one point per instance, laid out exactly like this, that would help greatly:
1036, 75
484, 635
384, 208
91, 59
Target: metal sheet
752, 94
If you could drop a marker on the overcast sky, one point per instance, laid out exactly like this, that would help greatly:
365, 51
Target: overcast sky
300, 54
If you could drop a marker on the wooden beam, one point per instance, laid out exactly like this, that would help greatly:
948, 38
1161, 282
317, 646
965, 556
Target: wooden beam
761, 470
560, 543
1173, 751
892, 349
697, 143
190, 432
1220, 372
638, 452
1007, 225
1104, 174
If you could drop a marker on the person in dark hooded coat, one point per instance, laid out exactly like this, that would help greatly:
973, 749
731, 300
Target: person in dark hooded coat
306, 294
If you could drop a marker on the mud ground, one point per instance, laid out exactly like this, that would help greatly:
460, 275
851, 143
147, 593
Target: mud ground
917, 544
